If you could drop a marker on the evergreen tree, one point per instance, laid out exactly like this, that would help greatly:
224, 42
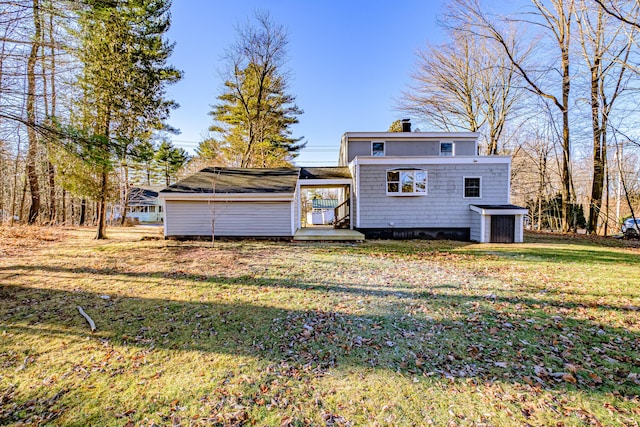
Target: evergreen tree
170, 159
210, 149
144, 154
255, 112
124, 57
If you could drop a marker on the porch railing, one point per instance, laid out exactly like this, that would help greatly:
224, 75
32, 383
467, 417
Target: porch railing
341, 214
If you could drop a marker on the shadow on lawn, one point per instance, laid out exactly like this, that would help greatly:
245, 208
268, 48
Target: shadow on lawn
503, 339
577, 255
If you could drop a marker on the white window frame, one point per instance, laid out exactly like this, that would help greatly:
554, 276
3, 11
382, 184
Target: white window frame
453, 148
384, 148
464, 187
400, 193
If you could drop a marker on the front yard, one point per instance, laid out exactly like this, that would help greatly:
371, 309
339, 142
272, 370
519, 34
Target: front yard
262, 333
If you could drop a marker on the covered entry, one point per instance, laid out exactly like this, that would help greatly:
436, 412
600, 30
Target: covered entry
335, 223
497, 223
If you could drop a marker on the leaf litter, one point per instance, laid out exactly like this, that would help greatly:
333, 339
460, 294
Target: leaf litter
285, 321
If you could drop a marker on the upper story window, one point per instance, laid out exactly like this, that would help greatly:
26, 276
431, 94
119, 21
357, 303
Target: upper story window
407, 182
377, 148
472, 187
446, 148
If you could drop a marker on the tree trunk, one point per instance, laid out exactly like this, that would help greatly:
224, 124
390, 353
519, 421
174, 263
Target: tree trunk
31, 118
595, 201
22, 199
14, 194
102, 206
52, 114
52, 192
125, 194
566, 142
83, 211
64, 207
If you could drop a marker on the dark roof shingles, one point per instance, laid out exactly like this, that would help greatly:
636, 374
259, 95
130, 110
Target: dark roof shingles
325, 172
238, 180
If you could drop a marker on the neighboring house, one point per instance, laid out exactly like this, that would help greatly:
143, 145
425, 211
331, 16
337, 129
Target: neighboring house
144, 205
393, 185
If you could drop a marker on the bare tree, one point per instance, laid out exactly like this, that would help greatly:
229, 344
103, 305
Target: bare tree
464, 84
34, 187
217, 208
606, 49
555, 22
625, 12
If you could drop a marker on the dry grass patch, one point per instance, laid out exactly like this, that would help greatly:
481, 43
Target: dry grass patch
379, 333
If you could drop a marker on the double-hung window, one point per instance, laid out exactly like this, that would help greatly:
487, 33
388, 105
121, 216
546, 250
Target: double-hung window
406, 182
472, 187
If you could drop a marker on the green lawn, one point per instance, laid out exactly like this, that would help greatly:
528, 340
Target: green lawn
264, 333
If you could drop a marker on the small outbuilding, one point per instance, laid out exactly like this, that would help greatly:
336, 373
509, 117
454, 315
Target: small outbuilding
232, 202
497, 223
322, 211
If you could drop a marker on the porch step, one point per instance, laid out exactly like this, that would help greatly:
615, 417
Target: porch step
329, 234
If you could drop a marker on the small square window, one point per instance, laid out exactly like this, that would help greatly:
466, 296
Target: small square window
446, 149
472, 187
377, 149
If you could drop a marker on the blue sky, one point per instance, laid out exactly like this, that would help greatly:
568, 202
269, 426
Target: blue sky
349, 60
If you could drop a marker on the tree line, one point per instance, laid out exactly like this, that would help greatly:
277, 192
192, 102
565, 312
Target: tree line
82, 100
83, 105
552, 83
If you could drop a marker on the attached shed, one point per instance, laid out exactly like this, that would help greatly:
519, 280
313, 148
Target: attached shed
497, 223
232, 202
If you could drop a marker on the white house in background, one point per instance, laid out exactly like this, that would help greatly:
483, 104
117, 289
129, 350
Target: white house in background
394, 185
144, 205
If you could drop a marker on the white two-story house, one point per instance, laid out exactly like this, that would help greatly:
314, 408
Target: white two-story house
394, 185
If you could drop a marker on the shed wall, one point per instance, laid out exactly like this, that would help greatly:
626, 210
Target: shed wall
476, 227
232, 219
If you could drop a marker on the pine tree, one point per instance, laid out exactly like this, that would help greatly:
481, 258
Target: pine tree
255, 113
125, 71
170, 159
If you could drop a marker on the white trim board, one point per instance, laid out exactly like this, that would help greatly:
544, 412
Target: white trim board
324, 182
488, 212
229, 197
411, 135
432, 160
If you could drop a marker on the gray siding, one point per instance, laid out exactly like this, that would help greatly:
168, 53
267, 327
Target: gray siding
410, 148
476, 227
443, 206
358, 148
234, 219
465, 148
